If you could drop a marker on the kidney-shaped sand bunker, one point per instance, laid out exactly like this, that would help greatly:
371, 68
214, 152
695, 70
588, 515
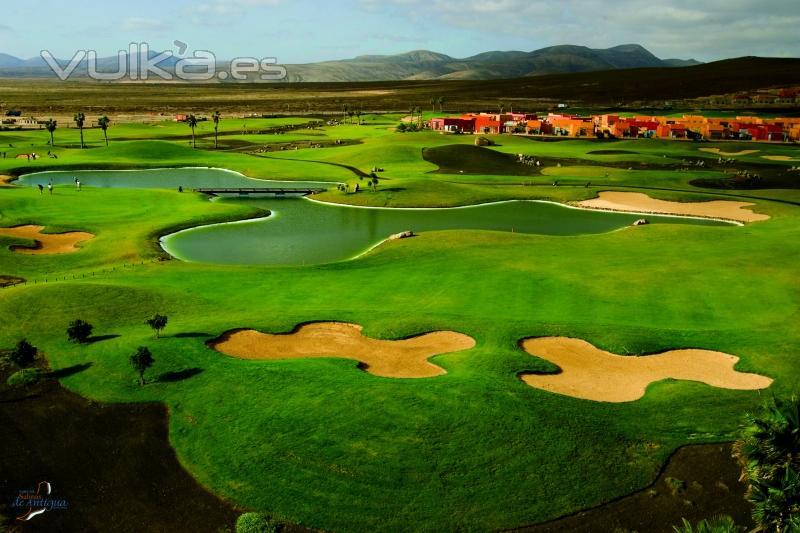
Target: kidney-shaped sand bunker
406, 358
45, 243
593, 374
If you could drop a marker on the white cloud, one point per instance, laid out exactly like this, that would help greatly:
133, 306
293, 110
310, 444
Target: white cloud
233, 7
139, 24
708, 29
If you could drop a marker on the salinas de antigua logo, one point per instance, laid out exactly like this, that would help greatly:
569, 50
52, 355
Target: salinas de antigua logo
37, 501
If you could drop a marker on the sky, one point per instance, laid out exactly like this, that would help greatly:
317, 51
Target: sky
301, 31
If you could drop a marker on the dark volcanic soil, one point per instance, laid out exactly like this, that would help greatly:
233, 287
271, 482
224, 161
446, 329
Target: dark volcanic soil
700, 481
112, 463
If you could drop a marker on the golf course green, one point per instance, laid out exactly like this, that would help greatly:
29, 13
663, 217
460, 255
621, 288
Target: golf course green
324, 444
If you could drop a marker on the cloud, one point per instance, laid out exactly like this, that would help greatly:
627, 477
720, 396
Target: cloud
710, 29
139, 24
233, 7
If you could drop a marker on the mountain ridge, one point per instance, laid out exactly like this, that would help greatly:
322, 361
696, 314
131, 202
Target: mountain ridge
421, 64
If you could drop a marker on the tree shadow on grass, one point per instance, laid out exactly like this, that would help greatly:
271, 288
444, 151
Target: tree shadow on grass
68, 371
100, 338
179, 375
191, 335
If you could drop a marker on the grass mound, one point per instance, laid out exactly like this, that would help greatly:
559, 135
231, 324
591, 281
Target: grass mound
465, 159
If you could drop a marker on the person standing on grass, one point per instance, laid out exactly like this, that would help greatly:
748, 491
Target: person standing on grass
78, 183
41, 188
50, 188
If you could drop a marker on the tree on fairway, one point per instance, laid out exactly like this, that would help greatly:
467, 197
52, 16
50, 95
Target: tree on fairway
441, 104
103, 122
419, 115
433, 104
158, 323
191, 120
80, 118
51, 126
216, 117
358, 115
79, 331
769, 452
23, 354
344, 112
141, 361
502, 107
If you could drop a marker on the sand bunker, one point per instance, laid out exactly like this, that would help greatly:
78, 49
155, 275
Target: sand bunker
637, 202
593, 374
720, 152
407, 358
46, 243
5, 181
780, 158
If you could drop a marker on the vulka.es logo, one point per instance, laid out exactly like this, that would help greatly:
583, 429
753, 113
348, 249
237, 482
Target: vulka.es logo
138, 62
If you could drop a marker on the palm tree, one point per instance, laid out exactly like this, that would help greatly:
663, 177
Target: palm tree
344, 112
191, 120
103, 122
51, 126
433, 104
720, 524
419, 116
412, 114
502, 107
79, 119
358, 115
216, 117
769, 452
440, 100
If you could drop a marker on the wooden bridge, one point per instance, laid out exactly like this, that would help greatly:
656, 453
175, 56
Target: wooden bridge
245, 191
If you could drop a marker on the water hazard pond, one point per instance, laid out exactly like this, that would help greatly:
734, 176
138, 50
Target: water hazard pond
301, 231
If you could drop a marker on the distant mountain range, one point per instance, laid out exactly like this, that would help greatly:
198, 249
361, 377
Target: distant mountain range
425, 65
421, 65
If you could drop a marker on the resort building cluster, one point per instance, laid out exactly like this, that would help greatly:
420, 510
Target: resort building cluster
663, 127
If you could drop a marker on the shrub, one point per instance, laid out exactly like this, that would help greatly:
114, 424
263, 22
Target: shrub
25, 377
255, 523
79, 331
23, 354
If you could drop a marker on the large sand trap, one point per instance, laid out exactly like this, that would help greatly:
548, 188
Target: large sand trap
720, 152
407, 358
46, 243
593, 374
641, 203
780, 158
5, 181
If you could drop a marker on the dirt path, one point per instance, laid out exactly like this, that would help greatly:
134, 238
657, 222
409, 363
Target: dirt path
46, 243
593, 374
720, 152
637, 202
407, 358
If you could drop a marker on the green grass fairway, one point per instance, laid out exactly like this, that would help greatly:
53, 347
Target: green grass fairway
327, 445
